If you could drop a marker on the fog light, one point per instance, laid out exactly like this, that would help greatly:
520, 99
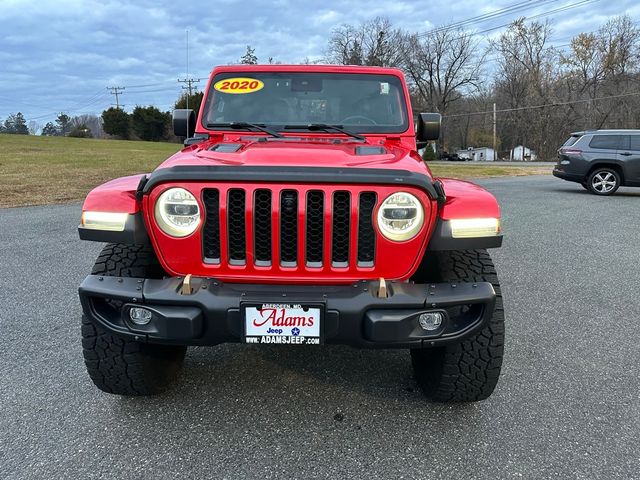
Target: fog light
431, 321
140, 316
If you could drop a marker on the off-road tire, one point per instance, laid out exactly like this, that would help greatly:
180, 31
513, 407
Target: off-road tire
116, 364
466, 371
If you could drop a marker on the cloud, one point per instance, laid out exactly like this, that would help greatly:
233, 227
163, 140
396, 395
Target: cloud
60, 55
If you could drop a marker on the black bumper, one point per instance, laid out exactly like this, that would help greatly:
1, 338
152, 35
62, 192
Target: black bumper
352, 314
572, 177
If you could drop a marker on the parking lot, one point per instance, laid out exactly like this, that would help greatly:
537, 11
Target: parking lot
567, 405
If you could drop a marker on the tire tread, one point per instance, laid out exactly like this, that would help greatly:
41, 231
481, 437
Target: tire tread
467, 371
116, 364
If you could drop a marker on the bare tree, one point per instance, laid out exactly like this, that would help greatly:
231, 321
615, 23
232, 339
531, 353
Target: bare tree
375, 43
620, 42
542, 94
604, 64
443, 67
527, 82
92, 122
34, 127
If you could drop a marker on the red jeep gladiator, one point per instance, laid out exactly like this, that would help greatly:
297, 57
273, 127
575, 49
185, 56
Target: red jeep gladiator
298, 213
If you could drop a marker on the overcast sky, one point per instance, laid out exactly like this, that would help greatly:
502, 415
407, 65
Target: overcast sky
60, 55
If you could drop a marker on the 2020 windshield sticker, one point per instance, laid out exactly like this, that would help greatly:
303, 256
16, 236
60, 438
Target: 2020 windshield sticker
239, 85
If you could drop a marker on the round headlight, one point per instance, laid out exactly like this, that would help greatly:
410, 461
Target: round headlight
177, 212
400, 217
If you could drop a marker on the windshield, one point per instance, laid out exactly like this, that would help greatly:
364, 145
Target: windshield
361, 103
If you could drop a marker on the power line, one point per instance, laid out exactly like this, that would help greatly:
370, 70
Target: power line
571, 6
488, 16
164, 82
172, 89
548, 13
74, 108
532, 107
116, 91
147, 85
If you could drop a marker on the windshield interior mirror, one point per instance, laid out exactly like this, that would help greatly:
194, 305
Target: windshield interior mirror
306, 84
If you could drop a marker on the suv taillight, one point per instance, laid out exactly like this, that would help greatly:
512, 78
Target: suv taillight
570, 151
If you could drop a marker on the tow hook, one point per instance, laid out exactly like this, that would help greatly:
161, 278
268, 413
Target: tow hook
186, 288
382, 288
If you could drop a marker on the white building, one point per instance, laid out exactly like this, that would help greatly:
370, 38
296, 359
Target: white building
480, 154
522, 154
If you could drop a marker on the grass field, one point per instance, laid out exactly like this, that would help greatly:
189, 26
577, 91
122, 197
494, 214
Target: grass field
484, 170
41, 170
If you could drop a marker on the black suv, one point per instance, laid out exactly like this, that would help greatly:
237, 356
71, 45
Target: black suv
601, 160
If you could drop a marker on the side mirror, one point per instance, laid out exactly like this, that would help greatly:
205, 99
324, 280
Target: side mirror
428, 128
184, 122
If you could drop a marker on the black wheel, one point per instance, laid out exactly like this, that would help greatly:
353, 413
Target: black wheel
466, 371
604, 181
119, 365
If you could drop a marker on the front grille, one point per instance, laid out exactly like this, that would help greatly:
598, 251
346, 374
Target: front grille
289, 227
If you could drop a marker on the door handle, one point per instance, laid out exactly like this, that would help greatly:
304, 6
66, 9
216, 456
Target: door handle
626, 154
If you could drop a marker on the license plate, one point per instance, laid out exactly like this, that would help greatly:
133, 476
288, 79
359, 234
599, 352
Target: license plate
278, 323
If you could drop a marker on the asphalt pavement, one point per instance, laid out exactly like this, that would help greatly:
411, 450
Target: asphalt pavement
567, 404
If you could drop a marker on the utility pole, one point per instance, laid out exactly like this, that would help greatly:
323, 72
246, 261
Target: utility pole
189, 87
495, 138
116, 91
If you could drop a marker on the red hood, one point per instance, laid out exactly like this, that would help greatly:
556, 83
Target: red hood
308, 152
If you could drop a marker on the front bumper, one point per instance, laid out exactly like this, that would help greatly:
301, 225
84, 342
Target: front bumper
352, 314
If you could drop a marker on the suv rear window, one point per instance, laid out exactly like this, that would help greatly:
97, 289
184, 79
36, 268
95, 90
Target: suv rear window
572, 140
606, 142
635, 142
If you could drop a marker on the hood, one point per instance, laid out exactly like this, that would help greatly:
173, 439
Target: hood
299, 152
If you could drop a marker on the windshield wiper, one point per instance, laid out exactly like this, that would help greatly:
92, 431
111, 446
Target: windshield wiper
237, 125
325, 127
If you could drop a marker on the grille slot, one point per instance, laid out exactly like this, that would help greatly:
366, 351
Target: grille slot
211, 230
288, 227
366, 233
236, 222
293, 221
340, 230
315, 228
262, 226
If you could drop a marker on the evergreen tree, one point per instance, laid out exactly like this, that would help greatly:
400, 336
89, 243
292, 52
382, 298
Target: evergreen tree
49, 130
81, 131
195, 100
16, 124
116, 122
429, 153
249, 57
149, 123
63, 122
